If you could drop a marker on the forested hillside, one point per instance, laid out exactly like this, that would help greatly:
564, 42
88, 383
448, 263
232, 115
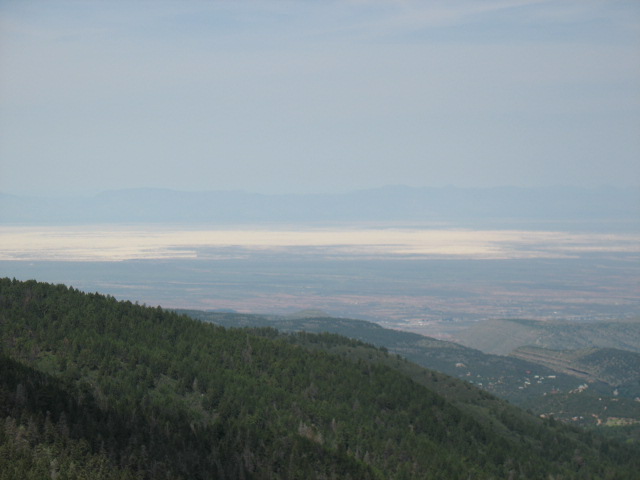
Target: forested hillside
547, 383
95, 388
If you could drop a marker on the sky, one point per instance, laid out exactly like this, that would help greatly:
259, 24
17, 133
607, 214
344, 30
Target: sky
317, 96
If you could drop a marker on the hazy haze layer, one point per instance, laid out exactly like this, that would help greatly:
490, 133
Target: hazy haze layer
324, 96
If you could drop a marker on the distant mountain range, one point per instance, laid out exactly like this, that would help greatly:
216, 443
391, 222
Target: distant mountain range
389, 204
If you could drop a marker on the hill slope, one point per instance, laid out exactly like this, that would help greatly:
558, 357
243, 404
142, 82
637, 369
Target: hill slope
543, 387
152, 394
500, 375
618, 368
504, 335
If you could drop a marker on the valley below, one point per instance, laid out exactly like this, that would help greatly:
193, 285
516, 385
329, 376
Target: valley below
426, 279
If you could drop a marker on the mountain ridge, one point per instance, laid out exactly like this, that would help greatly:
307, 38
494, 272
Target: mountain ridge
149, 393
528, 382
502, 336
618, 207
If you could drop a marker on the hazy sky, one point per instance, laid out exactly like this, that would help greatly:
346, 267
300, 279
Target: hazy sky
317, 96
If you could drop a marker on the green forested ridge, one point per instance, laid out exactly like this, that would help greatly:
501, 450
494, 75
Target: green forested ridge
526, 381
95, 388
